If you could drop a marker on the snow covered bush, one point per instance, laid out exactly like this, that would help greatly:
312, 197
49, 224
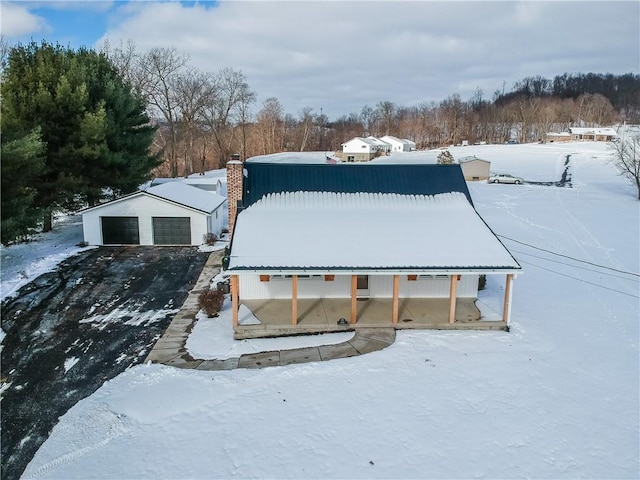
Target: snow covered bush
445, 158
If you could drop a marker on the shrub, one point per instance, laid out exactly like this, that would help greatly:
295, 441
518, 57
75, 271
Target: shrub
211, 302
482, 281
209, 238
445, 158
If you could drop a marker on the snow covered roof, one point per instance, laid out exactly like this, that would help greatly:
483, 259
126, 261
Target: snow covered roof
377, 141
292, 157
392, 139
366, 141
187, 195
593, 131
407, 179
472, 158
298, 231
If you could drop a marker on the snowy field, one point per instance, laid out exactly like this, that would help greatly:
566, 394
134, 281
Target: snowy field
556, 397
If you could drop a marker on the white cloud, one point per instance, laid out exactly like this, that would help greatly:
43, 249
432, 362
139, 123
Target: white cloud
17, 20
343, 55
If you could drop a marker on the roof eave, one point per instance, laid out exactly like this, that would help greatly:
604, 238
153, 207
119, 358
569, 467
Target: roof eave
375, 270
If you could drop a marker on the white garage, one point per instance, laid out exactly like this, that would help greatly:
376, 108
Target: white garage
172, 213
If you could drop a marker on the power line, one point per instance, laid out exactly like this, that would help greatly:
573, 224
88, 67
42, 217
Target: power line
576, 266
571, 258
583, 281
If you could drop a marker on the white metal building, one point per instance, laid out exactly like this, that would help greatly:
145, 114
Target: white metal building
171, 213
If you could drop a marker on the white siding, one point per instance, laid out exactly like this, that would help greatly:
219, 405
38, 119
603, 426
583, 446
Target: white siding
145, 208
217, 219
357, 145
380, 286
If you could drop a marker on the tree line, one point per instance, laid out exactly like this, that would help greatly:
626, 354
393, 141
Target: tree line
203, 118
83, 126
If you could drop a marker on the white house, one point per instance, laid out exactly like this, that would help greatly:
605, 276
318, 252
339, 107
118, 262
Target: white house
359, 149
209, 181
410, 143
398, 145
171, 213
383, 146
379, 245
593, 133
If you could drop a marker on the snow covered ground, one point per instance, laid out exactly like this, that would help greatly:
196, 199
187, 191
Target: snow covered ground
556, 397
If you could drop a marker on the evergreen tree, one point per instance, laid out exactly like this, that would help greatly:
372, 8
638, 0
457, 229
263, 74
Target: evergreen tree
22, 162
445, 158
95, 129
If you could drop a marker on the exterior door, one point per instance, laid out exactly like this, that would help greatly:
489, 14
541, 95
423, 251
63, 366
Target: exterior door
171, 231
362, 286
120, 231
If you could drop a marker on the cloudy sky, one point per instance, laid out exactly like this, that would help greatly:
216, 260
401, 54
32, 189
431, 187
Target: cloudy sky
339, 56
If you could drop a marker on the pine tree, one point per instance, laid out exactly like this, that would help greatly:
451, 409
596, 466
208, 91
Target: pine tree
445, 158
22, 162
94, 127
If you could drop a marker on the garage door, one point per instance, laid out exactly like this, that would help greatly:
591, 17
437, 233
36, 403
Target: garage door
171, 231
120, 231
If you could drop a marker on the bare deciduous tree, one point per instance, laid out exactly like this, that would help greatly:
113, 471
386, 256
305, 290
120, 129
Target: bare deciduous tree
124, 57
193, 92
228, 105
270, 126
157, 72
626, 158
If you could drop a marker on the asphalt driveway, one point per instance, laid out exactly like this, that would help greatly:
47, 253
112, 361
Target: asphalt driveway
71, 330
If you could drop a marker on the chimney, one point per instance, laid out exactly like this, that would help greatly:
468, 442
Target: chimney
234, 188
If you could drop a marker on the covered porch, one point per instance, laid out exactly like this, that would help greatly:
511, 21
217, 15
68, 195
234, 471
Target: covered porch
321, 315
294, 316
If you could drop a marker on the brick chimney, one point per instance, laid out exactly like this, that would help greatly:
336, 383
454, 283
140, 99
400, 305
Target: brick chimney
234, 188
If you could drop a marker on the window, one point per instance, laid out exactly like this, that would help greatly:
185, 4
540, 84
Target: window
433, 277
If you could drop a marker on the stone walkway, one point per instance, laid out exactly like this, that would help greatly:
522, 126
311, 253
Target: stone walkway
170, 348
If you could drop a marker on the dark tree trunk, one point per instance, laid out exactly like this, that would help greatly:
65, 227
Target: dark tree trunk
47, 224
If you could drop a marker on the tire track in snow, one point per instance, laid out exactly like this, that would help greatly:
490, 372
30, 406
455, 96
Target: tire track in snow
116, 426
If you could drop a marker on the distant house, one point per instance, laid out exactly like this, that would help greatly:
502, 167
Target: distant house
410, 143
558, 137
474, 169
171, 213
383, 146
399, 145
593, 134
209, 181
359, 149
373, 245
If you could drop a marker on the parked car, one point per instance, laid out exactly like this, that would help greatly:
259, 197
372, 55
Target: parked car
505, 178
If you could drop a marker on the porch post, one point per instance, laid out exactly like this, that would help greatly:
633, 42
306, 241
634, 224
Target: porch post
234, 300
294, 300
506, 309
453, 292
396, 288
354, 292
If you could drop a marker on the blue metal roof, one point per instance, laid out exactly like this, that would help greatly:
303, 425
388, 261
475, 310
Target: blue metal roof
406, 179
